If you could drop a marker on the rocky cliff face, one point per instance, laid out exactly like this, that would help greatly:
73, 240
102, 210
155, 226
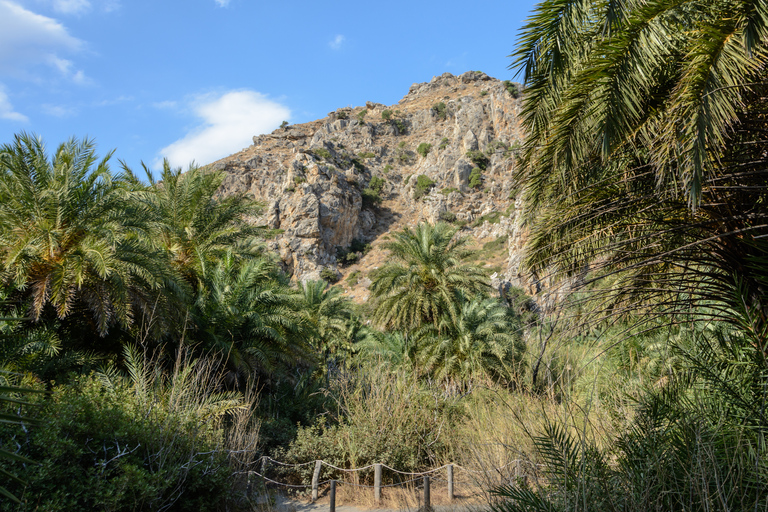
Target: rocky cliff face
446, 151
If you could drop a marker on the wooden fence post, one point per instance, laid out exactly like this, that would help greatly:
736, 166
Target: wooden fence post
316, 479
377, 484
427, 505
333, 495
450, 482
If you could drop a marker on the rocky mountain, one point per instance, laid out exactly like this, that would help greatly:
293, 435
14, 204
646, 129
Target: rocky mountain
334, 188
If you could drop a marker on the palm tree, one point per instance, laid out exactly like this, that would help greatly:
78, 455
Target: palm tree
482, 344
70, 235
246, 315
329, 313
421, 282
646, 158
193, 224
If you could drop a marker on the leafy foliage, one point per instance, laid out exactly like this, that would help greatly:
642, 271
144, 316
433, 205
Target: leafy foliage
422, 281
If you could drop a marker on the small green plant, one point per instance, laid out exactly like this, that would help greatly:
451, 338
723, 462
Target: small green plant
440, 110
290, 189
327, 274
361, 115
386, 169
448, 191
376, 184
372, 193
298, 180
284, 124
401, 144
443, 143
272, 233
342, 114
423, 185
424, 149
366, 154
495, 146
386, 115
479, 159
407, 179
354, 278
511, 88
447, 216
483, 93
322, 153
476, 178
400, 125
491, 218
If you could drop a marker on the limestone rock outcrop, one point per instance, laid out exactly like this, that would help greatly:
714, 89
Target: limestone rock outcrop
352, 177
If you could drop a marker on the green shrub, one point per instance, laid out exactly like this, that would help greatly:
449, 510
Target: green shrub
354, 278
322, 153
371, 197
440, 110
272, 233
342, 114
444, 143
361, 115
400, 125
284, 124
386, 169
424, 149
299, 180
476, 178
376, 184
290, 189
483, 93
423, 185
479, 159
386, 115
511, 88
447, 216
491, 218
327, 274
448, 190
366, 154
107, 444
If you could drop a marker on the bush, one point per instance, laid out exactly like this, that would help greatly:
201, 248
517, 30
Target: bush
299, 180
423, 185
440, 110
386, 115
448, 191
444, 143
366, 154
447, 216
376, 184
386, 169
327, 274
104, 443
361, 115
479, 159
354, 278
476, 178
322, 153
511, 88
424, 149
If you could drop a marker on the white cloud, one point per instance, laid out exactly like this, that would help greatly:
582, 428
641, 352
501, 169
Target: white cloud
6, 110
222, 3
28, 40
58, 110
336, 42
229, 121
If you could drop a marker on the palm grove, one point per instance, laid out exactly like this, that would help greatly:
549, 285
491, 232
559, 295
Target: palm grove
644, 182
109, 282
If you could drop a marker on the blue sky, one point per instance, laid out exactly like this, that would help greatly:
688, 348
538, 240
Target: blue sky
195, 80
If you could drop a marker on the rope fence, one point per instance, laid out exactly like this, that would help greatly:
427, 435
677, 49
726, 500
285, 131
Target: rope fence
419, 479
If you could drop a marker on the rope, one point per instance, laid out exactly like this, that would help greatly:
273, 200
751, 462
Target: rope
416, 474
287, 465
347, 470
